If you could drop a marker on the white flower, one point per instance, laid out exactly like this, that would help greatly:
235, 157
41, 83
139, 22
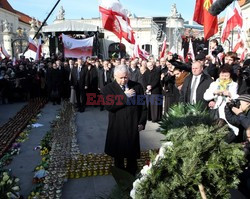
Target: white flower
9, 194
146, 169
9, 181
136, 183
132, 193
5, 173
16, 188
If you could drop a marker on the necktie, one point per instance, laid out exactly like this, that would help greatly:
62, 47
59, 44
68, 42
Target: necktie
105, 76
193, 90
123, 87
78, 73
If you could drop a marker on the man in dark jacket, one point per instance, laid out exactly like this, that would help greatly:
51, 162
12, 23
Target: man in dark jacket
195, 85
126, 119
78, 74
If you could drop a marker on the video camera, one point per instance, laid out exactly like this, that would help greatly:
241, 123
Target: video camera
234, 103
219, 49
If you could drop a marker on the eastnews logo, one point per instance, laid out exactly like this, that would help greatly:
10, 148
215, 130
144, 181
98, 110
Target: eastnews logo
94, 99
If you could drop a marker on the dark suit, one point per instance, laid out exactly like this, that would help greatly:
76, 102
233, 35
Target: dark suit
153, 78
134, 74
122, 139
78, 85
203, 85
101, 77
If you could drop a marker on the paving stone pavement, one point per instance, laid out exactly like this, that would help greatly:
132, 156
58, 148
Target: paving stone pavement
91, 134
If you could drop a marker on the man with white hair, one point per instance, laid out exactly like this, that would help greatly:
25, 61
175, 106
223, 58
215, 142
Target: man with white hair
126, 119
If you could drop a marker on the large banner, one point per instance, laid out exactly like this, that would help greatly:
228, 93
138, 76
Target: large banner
77, 48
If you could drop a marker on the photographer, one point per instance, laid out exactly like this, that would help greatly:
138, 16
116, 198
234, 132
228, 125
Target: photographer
239, 116
219, 93
244, 78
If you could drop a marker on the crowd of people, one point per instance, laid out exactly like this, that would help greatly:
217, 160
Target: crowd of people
214, 80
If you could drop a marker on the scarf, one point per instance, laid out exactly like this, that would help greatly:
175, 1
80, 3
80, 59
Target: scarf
223, 84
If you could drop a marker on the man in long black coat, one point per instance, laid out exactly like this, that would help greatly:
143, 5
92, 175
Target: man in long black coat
126, 119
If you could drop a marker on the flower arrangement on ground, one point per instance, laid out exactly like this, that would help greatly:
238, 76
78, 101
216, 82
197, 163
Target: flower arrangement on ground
194, 161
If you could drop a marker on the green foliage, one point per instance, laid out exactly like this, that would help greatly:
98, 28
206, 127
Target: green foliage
199, 155
184, 115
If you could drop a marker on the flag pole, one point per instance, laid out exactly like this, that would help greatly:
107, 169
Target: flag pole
43, 24
232, 39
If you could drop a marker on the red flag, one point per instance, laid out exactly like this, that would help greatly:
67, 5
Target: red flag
114, 19
232, 19
164, 47
203, 17
32, 45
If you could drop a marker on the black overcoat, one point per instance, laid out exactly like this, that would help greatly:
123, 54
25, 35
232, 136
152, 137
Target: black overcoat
122, 135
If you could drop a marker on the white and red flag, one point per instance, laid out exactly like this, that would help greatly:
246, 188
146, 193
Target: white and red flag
164, 48
232, 19
114, 19
32, 45
191, 50
77, 48
4, 52
140, 53
240, 42
39, 49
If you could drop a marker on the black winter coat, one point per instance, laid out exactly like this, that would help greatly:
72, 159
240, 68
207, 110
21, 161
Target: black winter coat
122, 136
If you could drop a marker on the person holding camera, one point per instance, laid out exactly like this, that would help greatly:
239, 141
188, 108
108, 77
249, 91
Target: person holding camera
239, 116
244, 78
220, 92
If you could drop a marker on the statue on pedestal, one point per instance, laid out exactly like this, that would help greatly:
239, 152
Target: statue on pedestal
61, 13
174, 12
33, 23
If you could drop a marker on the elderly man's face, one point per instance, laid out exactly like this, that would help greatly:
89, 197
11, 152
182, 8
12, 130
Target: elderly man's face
197, 68
121, 78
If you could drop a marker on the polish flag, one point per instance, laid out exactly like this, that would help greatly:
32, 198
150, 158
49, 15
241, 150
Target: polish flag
240, 42
243, 54
163, 49
77, 48
181, 55
39, 49
114, 19
232, 19
191, 50
32, 45
4, 52
140, 53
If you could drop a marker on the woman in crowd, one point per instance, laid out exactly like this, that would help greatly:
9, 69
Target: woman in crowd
220, 92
